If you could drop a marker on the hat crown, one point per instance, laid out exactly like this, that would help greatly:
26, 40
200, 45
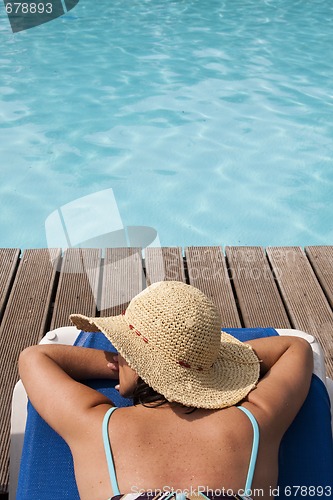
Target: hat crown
179, 321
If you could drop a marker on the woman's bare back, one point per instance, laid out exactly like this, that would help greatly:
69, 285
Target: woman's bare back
166, 448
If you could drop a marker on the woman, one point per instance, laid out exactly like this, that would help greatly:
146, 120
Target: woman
201, 400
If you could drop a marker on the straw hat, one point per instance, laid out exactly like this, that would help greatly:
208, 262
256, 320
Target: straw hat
171, 336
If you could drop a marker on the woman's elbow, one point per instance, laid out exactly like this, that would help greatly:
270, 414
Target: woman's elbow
306, 352
26, 359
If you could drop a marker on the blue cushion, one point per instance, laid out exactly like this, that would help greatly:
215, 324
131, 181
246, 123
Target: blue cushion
244, 334
305, 459
306, 451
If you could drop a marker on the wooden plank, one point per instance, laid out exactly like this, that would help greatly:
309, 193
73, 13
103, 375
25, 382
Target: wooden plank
77, 290
207, 270
9, 258
259, 299
23, 324
304, 298
164, 264
321, 258
123, 278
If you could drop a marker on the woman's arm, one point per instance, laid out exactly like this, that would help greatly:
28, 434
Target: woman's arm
50, 375
81, 363
286, 370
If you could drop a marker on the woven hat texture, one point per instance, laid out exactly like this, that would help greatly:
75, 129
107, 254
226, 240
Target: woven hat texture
170, 334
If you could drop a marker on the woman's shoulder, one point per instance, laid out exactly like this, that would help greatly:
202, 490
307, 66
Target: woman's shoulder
286, 369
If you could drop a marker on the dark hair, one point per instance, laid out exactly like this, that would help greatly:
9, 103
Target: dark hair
145, 395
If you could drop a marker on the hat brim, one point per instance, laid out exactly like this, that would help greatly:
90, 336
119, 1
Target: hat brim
233, 375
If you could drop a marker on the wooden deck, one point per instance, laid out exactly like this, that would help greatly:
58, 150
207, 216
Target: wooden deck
279, 286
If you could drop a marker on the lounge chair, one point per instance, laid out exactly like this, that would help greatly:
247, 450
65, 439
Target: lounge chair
306, 452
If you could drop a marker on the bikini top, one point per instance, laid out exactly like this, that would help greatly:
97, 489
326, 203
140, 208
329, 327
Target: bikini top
180, 496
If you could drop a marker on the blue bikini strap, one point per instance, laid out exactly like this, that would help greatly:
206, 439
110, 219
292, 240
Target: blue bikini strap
254, 452
108, 451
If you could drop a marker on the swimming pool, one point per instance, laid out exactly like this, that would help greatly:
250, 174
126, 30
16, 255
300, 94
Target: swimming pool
211, 120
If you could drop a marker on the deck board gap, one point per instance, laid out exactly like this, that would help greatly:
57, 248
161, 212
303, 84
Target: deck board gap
241, 319
53, 299
186, 272
276, 281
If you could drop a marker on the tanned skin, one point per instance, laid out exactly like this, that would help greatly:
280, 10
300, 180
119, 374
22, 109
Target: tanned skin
166, 447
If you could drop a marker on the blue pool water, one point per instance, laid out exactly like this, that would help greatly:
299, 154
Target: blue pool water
211, 120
